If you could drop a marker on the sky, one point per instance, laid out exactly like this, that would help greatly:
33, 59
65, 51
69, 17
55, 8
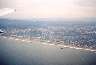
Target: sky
6, 11
27, 9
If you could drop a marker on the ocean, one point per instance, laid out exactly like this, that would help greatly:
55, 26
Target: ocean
13, 52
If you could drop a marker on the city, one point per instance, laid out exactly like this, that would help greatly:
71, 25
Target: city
81, 35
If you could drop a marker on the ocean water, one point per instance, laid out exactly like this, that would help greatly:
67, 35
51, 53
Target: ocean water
14, 52
78, 33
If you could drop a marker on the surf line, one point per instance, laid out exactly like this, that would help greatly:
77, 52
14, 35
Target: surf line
45, 43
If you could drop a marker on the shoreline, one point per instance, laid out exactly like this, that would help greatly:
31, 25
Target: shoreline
51, 44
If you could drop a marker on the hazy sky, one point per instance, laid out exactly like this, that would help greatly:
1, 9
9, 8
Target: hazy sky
50, 8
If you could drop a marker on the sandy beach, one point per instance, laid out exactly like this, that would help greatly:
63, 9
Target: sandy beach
50, 44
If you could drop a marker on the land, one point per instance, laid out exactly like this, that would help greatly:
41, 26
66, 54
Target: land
80, 35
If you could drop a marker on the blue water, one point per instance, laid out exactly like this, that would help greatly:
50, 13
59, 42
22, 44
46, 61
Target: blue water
22, 53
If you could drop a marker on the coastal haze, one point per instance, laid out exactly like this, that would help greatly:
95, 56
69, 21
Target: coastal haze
48, 32
50, 8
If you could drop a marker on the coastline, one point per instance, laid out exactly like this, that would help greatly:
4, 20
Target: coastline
51, 44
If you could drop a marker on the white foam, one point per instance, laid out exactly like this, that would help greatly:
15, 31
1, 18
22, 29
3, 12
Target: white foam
54, 44
45, 43
29, 41
78, 48
51, 44
92, 50
16, 39
23, 40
